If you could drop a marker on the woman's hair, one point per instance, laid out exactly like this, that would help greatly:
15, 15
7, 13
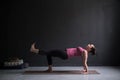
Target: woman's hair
93, 51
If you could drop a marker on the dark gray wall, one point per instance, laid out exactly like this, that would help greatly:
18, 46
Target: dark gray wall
58, 24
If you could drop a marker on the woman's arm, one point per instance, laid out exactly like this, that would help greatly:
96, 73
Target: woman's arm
84, 59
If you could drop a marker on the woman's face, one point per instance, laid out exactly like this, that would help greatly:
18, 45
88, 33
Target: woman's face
89, 46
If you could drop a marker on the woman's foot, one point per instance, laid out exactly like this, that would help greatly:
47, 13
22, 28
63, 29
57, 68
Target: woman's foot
33, 49
49, 70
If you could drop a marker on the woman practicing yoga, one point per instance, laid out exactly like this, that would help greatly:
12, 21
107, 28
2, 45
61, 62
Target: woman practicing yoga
66, 54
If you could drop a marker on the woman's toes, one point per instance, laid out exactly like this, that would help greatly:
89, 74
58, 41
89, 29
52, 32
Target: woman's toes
48, 70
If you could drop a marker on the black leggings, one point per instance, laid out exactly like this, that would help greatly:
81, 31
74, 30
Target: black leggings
54, 53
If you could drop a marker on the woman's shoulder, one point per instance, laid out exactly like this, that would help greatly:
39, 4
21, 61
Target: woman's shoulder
84, 53
81, 48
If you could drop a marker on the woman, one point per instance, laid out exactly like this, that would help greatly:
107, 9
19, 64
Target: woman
68, 53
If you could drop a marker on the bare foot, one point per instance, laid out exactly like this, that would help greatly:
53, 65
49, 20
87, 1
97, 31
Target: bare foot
48, 70
33, 49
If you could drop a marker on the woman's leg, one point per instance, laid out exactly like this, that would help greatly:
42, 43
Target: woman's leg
55, 53
41, 52
50, 54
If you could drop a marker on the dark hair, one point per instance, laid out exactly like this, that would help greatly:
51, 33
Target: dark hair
93, 51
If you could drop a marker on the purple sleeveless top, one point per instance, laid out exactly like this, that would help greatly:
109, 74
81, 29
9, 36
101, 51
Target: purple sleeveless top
74, 51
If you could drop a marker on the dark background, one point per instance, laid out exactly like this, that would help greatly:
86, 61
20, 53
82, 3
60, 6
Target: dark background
58, 24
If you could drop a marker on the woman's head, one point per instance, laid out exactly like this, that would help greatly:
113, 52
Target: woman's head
91, 48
